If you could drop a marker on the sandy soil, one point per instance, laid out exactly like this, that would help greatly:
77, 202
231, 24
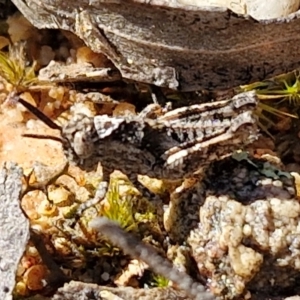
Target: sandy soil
22, 150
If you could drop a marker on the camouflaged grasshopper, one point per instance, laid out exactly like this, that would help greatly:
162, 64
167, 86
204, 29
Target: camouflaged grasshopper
172, 146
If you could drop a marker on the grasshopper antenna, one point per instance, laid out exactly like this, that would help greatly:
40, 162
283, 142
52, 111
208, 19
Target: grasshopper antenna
35, 111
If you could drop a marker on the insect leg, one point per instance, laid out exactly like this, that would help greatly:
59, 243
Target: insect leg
99, 195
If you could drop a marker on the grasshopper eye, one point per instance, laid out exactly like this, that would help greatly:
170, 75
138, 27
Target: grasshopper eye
82, 145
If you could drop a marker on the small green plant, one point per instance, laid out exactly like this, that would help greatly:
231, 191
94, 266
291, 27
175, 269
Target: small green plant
13, 69
264, 112
285, 87
159, 281
119, 208
273, 95
105, 249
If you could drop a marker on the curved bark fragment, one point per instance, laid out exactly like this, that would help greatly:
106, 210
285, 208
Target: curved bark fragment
174, 45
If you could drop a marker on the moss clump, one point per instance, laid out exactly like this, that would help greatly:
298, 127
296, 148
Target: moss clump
119, 208
159, 281
14, 69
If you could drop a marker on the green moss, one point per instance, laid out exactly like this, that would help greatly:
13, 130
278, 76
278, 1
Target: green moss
119, 209
13, 69
159, 281
107, 249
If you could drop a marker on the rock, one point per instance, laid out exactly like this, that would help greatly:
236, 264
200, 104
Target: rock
247, 238
14, 228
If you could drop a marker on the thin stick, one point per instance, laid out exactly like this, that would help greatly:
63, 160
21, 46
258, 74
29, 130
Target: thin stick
135, 248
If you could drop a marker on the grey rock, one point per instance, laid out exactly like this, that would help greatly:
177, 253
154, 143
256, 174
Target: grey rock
14, 227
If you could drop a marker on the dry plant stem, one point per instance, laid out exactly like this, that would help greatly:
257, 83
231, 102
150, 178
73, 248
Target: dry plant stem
56, 277
139, 250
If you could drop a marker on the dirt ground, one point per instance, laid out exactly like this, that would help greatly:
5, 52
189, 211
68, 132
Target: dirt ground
24, 151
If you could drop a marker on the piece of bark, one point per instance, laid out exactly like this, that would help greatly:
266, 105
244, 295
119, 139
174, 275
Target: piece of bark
57, 72
14, 227
173, 45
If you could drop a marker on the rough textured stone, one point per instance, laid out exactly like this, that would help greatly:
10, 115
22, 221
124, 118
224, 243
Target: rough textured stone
14, 228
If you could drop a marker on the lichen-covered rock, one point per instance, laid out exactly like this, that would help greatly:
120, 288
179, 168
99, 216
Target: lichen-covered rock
14, 228
248, 237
